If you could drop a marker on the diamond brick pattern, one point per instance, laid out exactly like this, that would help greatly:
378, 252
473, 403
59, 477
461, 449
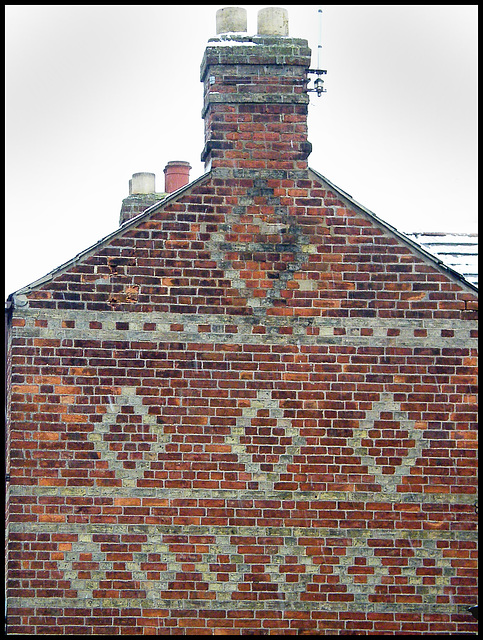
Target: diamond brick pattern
251, 410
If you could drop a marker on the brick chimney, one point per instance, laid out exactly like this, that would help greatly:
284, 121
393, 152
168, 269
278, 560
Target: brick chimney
255, 99
142, 194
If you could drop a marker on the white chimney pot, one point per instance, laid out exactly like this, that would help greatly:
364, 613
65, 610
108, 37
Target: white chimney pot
273, 21
142, 183
231, 19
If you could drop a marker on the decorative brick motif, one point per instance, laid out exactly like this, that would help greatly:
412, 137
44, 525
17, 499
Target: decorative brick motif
251, 411
389, 444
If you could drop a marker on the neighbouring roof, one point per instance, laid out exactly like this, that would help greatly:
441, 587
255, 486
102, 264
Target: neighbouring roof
454, 253
458, 250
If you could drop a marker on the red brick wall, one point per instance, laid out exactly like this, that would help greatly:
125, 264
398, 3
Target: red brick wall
253, 412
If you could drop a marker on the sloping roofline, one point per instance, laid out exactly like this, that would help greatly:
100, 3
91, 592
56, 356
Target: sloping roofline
179, 192
399, 234
126, 225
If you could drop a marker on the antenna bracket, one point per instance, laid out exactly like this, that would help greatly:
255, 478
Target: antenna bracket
318, 82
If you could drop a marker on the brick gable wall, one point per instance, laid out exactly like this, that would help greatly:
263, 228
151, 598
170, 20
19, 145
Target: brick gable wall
252, 412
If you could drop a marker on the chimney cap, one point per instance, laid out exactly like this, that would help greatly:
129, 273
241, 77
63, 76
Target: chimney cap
175, 163
176, 175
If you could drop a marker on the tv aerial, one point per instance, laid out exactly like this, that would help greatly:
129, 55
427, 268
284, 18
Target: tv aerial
318, 82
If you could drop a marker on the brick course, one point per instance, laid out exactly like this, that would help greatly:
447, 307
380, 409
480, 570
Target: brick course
251, 411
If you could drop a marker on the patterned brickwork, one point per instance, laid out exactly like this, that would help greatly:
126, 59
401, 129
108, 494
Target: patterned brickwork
251, 411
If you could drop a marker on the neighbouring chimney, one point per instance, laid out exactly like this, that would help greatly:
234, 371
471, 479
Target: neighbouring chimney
255, 94
142, 183
176, 175
142, 194
142, 189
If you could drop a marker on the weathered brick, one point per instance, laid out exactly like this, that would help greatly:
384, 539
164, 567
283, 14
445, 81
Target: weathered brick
256, 398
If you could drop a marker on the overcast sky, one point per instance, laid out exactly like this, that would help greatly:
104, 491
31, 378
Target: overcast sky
95, 93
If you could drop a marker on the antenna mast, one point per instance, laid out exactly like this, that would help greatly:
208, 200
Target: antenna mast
319, 45
318, 82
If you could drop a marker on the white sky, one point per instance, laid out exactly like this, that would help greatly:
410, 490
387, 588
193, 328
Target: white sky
95, 93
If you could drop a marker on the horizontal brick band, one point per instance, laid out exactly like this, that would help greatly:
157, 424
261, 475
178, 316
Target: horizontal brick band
306, 554
271, 330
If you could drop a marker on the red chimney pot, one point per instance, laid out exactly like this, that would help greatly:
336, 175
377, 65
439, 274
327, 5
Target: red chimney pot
176, 175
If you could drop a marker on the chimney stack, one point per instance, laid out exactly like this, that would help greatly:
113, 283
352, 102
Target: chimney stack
255, 94
142, 189
142, 194
176, 175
